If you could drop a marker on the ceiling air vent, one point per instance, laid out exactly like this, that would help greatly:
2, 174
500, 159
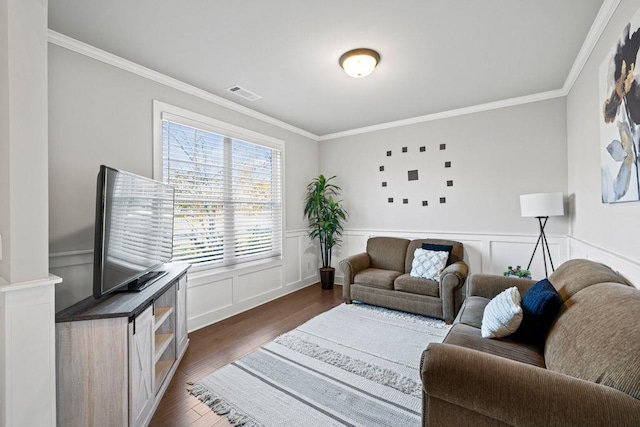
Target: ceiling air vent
244, 93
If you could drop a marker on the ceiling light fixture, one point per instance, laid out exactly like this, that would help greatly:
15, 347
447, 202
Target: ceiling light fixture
359, 62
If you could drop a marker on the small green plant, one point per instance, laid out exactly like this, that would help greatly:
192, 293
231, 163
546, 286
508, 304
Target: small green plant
325, 215
518, 272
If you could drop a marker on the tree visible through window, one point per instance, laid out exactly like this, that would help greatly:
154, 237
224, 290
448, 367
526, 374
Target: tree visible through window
228, 201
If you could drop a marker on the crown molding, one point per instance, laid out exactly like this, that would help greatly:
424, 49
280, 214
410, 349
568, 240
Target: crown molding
108, 58
597, 28
451, 113
595, 32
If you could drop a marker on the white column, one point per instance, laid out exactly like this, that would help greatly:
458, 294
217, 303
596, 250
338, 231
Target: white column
24, 200
27, 306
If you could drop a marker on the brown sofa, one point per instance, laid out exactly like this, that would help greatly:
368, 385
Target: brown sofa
587, 373
380, 276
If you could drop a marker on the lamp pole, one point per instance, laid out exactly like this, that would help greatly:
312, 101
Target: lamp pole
545, 245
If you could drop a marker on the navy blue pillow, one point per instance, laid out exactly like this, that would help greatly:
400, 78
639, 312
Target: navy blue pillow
540, 307
438, 248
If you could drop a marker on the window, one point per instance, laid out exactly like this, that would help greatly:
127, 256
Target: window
228, 188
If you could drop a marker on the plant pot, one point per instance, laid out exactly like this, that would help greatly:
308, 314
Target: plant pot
327, 276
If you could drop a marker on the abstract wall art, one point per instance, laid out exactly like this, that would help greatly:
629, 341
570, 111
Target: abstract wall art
620, 118
414, 187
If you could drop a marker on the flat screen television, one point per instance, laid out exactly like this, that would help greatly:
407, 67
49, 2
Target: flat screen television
133, 232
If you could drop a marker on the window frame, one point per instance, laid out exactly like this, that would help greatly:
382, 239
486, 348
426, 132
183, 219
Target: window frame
162, 110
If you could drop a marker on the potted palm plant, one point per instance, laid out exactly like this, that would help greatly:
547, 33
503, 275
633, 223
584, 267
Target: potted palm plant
325, 215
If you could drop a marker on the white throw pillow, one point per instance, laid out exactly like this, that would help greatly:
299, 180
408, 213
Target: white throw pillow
503, 315
428, 264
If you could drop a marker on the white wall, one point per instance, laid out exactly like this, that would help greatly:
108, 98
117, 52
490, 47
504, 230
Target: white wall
604, 232
496, 156
100, 114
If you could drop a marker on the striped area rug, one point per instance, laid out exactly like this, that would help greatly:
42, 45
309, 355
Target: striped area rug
355, 365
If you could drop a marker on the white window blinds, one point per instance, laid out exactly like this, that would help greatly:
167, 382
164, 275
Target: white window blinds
228, 195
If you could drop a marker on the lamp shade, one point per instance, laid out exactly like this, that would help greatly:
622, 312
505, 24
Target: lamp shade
542, 204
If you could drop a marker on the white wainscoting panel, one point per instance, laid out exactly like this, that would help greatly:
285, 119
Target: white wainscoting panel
507, 252
77, 270
212, 295
205, 299
27, 352
483, 252
310, 261
627, 267
293, 264
250, 286
258, 283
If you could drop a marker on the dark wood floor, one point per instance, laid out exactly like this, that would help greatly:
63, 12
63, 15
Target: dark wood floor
229, 340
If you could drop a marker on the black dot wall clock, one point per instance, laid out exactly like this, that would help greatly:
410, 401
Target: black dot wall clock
417, 155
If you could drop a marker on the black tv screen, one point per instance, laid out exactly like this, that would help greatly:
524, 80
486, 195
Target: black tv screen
134, 230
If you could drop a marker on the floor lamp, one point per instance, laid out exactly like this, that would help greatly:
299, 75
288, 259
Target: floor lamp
542, 206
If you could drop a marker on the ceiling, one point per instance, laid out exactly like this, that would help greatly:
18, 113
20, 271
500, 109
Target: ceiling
435, 55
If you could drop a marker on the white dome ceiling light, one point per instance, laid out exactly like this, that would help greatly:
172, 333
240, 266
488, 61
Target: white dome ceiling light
359, 62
